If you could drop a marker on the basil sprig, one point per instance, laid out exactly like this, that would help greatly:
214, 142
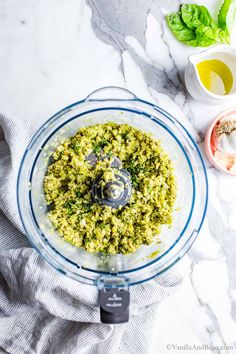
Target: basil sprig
194, 25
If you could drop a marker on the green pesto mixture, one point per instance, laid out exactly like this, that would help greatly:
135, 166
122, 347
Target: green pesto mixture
99, 228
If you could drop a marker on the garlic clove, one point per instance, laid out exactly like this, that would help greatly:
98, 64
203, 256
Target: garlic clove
227, 143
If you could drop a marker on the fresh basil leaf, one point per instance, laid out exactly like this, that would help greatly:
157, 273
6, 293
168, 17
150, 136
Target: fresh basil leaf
195, 16
222, 16
207, 36
223, 36
226, 16
179, 28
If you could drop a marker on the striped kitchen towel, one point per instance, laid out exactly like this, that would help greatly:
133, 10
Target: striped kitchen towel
43, 311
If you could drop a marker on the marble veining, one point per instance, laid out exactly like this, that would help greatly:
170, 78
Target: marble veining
55, 52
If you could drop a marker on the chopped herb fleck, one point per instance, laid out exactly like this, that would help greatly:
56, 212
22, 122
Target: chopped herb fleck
97, 147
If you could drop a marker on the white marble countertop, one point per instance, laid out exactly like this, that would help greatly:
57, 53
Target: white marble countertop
55, 52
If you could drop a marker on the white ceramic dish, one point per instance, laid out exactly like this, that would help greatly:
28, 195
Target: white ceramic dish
197, 90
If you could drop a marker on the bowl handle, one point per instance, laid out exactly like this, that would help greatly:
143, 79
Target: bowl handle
111, 93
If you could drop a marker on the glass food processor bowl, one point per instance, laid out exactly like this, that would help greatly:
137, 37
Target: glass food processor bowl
114, 271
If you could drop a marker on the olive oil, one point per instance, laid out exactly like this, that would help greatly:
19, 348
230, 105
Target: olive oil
215, 76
